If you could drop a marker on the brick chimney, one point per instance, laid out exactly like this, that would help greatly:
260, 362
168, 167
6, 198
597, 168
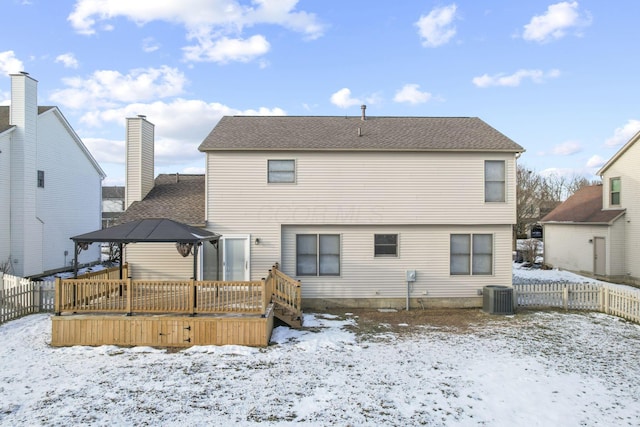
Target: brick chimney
139, 159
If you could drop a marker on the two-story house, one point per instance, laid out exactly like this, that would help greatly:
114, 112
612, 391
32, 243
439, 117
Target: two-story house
353, 206
50, 185
597, 231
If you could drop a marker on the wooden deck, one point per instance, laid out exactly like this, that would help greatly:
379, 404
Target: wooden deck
102, 310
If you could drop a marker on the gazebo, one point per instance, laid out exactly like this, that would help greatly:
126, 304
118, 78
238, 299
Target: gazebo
159, 230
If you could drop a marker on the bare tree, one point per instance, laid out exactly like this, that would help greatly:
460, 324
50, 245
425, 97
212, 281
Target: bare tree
537, 195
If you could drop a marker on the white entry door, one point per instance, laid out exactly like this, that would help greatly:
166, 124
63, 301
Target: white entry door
235, 258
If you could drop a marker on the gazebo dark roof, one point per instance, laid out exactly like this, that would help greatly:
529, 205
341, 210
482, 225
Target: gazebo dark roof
149, 230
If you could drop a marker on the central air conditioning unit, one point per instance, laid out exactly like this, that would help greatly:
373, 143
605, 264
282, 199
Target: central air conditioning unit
498, 300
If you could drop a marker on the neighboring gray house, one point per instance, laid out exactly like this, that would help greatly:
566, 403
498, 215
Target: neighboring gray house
50, 185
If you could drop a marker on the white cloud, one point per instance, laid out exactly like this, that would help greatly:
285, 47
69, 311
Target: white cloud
107, 88
68, 60
437, 27
149, 44
9, 64
596, 161
180, 127
556, 22
567, 148
411, 93
623, 134
536, 76
343, 99
215, 25
225, 50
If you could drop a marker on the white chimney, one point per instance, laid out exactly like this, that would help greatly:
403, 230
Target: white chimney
24, 116
139, 159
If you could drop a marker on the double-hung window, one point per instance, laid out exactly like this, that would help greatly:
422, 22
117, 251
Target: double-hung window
471, 254
317, 255
614, 191
494, 181
281, 171
385, 245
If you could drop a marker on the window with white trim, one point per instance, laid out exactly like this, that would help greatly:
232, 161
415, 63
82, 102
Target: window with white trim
281, 171
471, 254
317, 254
494, 181
614, 191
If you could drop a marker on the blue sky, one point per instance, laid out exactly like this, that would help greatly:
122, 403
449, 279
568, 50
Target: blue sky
559, 78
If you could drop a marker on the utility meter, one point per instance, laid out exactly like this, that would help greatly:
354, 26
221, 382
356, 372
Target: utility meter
411, 275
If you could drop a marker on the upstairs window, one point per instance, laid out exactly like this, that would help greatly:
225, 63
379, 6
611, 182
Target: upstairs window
385, 245
615, 191
40, 179
281, 171
494, 181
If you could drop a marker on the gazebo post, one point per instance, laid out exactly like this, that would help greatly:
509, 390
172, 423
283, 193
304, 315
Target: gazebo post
120, 245
75, 260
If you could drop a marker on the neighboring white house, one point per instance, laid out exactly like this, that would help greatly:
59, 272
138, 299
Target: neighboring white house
352, 206
612, 250
50, 185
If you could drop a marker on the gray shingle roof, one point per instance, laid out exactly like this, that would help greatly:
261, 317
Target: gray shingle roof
354, 134
584, 206
176, 197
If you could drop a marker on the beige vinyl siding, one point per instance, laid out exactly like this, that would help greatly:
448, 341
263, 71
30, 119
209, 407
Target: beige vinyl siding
626, 167
139, 159
421, 248
349, 188
357, 188
159, 261
616, 249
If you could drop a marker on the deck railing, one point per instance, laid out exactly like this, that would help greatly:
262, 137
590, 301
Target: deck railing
285, 291
112, 273
149, 296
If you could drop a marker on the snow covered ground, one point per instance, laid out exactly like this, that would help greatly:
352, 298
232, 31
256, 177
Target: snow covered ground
537, 368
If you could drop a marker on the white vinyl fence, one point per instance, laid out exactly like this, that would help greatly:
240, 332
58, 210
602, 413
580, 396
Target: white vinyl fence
618, 300
20, 296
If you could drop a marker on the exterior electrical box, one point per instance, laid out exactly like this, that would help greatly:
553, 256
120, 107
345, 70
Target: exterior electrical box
411, 275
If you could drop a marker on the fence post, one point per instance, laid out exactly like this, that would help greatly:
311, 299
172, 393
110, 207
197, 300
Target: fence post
264, 296
606, 300
565, 297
